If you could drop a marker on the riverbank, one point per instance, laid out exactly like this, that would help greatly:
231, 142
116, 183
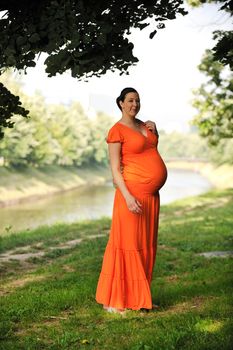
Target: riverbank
18, 185
56, 280
220, 176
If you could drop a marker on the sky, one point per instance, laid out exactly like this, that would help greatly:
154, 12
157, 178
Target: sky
164, 76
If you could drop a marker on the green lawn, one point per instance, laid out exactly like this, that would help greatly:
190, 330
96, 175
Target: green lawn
48, 302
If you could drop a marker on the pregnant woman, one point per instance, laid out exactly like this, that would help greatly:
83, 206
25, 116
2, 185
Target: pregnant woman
138, 174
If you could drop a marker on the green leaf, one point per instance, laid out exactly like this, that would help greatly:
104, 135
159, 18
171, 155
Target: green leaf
152, 34
31, 64
34, 38
101, 39
20, 40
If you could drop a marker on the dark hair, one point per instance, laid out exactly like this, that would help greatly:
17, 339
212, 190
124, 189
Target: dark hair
123, 93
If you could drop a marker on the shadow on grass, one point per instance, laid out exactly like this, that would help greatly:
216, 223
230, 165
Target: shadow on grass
57, 309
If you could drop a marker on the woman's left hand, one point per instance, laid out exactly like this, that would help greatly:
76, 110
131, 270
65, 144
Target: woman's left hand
151, 126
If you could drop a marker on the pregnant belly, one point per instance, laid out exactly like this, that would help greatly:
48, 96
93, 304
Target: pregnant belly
148, 170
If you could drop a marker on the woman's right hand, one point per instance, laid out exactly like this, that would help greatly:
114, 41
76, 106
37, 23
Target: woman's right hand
133, 204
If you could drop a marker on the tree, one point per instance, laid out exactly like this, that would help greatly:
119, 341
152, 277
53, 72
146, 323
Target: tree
86, 37
54, 134
223, 49
9, 106
214, 101
214, 98
100, 124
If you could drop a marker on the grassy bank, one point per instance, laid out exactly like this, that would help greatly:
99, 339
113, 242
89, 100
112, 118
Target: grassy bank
19, 184
48, 302
220, 176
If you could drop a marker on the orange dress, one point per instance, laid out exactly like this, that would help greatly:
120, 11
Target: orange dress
129, 257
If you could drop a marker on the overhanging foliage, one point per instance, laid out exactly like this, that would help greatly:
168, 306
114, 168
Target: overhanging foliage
86, 37
214, 101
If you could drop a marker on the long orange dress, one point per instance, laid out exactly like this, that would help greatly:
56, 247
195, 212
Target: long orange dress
129, 257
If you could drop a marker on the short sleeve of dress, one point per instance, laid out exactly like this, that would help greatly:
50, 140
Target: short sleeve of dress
114, 135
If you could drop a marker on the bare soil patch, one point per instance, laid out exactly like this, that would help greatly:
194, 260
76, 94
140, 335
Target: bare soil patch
20, 282
217, 254
26, 252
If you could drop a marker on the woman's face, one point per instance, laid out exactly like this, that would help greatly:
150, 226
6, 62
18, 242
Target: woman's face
131, 104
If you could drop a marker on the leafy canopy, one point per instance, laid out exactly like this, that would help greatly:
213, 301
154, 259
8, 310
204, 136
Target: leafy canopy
86, 37
223, 49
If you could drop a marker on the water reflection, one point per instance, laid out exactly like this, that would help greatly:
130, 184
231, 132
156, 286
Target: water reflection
183, 183
91, 203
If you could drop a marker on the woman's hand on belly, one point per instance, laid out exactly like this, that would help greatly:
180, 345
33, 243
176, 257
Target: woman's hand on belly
133, 204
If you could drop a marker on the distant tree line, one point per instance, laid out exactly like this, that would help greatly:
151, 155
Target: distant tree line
65, 135
191, 146
54, 134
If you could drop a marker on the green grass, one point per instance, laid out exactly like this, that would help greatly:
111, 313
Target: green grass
49, 302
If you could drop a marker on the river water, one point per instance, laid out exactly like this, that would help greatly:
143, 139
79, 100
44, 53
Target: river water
91, 203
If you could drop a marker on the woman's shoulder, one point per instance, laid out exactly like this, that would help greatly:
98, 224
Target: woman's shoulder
116, 125
114, 128
114, 134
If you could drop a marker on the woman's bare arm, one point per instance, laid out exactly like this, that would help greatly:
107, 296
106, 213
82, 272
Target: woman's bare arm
114, 155
114, 150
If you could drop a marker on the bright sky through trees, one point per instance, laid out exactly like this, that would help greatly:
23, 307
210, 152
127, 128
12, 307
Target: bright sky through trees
166, 72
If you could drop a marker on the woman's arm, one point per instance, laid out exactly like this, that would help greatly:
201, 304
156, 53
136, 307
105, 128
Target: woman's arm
114, 155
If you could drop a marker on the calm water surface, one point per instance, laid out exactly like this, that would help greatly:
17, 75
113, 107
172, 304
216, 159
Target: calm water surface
92, 202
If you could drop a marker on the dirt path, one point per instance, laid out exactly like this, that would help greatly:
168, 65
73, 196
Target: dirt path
26, 254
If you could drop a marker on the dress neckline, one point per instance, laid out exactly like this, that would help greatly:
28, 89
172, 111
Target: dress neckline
135, 130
